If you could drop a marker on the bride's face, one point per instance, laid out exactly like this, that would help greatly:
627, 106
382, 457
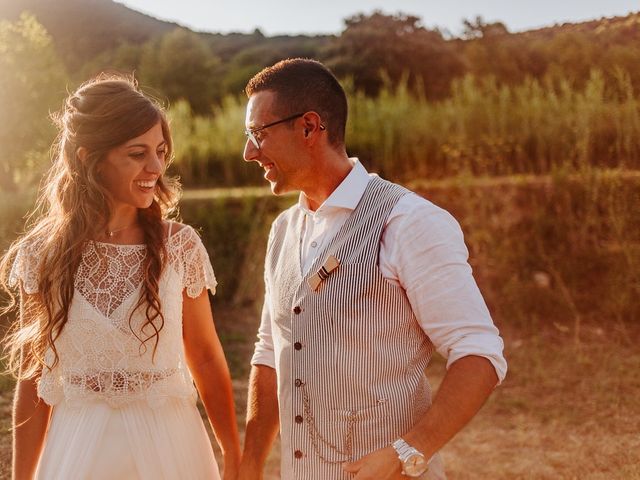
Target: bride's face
131, 171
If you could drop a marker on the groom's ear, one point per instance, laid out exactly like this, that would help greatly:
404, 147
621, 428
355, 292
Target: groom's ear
312, 123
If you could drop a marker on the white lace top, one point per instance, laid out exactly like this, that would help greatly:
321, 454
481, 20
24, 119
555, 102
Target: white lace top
100, 358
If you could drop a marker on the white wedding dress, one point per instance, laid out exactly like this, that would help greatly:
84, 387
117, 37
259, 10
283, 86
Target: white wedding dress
119, 410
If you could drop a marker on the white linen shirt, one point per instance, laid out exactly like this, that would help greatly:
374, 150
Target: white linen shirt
422, 250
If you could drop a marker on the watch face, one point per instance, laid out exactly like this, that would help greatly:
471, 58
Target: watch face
415, 465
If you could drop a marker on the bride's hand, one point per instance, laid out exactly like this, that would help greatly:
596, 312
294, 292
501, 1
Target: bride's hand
231, 468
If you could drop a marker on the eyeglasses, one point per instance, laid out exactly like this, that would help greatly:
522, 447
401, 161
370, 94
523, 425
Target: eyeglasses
251, 133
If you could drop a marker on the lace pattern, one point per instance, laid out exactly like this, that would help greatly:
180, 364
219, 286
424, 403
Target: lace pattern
100, 354
191, 254
109, 274
25, 268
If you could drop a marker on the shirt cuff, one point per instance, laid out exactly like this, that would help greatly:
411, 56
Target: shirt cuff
495, 357
263, 356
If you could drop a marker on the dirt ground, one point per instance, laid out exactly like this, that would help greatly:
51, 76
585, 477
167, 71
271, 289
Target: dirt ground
567, 410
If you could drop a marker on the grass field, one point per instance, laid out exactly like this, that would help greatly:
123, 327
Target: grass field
567, 410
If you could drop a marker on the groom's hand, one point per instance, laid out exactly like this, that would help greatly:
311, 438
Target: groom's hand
382, 464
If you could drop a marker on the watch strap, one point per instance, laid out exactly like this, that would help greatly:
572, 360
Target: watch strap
404, 450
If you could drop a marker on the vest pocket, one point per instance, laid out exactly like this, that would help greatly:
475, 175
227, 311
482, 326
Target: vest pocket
366, 428
363, 411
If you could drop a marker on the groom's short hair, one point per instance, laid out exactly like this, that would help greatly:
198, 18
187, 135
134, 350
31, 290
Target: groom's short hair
302, 85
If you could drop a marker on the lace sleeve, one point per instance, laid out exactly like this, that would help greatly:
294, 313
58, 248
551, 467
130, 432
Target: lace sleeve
25, 269
198, 272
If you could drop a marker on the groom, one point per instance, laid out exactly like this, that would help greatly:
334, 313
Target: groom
364, 282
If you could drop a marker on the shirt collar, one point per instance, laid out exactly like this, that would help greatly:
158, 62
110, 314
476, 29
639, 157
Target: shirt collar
346, 195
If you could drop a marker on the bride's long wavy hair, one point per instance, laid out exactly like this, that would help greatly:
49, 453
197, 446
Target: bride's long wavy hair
73, 209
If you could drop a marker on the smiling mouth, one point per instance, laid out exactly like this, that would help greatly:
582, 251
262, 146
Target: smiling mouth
146, 184
267, 166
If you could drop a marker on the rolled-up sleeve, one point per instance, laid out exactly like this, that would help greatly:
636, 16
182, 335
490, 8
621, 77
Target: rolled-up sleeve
263, 353
425, 250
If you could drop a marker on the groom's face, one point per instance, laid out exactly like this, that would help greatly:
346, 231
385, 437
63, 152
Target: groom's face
279, 146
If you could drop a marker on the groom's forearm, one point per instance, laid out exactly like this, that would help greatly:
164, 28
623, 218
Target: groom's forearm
262, 420
465, 387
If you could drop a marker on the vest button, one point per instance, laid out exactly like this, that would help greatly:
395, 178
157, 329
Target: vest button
297, 454
297, 310
298, 382
297, 346
298, 418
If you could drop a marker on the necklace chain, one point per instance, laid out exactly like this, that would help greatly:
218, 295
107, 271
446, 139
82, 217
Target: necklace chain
111, 233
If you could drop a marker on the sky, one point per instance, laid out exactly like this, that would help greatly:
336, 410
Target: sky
274, 17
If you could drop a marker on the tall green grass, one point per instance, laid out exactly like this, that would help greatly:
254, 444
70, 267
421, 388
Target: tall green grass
208, 148
543, 177
483, 128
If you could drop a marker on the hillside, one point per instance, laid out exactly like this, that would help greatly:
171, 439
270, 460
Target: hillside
84, 29
628, 25
375, 53
91, 35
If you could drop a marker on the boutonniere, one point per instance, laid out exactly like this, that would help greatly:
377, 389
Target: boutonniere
329, 266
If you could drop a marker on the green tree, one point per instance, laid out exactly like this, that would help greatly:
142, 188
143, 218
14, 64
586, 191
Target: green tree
478, 28
250, 60
398, 45
181, 65
32, 83
125, 58
490, 50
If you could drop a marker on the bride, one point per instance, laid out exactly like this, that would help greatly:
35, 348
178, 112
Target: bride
115, 325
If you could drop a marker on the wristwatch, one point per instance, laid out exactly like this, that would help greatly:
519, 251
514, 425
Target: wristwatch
414, 463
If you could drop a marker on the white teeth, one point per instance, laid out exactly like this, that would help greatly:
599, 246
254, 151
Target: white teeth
148, 184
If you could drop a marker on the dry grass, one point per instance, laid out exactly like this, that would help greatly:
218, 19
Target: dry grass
566, 410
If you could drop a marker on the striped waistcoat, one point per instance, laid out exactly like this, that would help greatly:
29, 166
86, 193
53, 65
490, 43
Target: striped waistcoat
350, 356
